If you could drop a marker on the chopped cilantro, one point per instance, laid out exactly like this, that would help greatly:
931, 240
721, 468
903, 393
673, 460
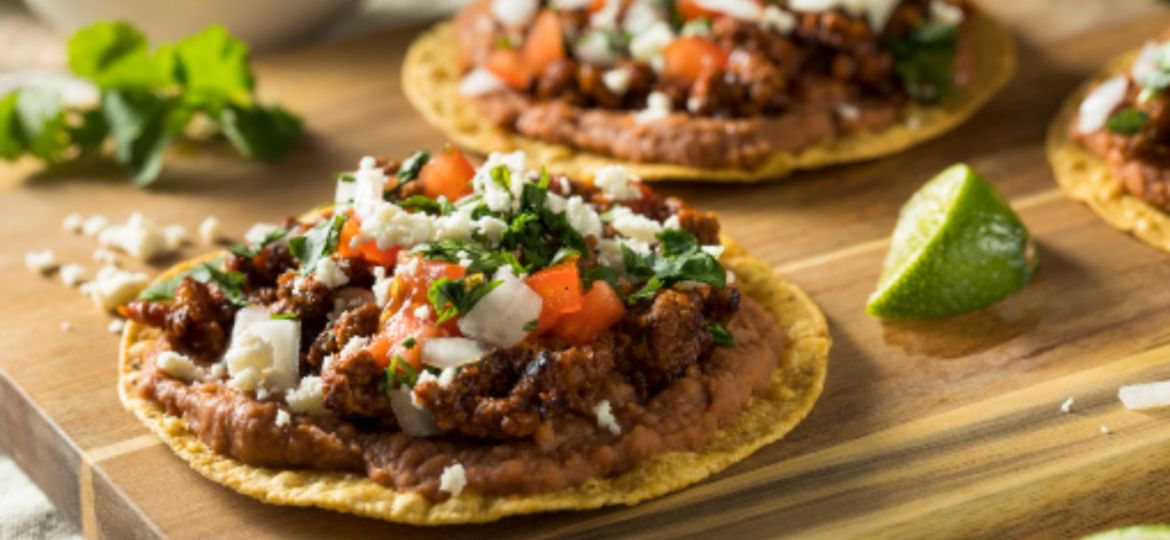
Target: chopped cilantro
599, 273
502, 176
531, 326
319, 243
924, 61
483, 260
345, 177
230, 284
453, 297
411, 168
646, 292
250, 251
400, 372
682, 259
1128, 121
537, 233
425, 205
284, 316
409, 343
720, 335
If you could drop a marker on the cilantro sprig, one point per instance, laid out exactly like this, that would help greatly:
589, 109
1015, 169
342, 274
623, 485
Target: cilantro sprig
1128, 121
148, 99
454, 297
230, 284
320, 242
483, 259
682, 259
924, 60
400, 372
720, 335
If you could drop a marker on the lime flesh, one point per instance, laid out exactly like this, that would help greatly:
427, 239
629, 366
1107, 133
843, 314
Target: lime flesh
1138, 532
957, 247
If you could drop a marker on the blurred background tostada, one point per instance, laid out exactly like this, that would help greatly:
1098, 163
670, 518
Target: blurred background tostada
739, 89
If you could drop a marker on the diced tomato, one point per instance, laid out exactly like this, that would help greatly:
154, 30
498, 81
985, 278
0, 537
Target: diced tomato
559, 288
545, 43
400, 327
598, 5
687, 59
690, 10
509, 66
601, 308
368, 250
448, 174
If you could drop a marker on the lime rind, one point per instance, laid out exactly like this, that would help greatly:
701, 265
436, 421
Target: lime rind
957, 247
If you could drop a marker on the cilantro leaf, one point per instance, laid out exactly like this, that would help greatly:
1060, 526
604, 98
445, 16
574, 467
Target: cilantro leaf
230, 284
137, 122
720, 335
647, 292
682, 259
924, 61
11, 135
115, 55
410, 168
267, 133
421, 204
400, 372
599, 273
253, 250
42, 122
1128, 121
483, 260
320, 242
213, 67
453, 297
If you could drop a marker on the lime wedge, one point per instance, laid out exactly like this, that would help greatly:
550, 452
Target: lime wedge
1138, 532
958, 247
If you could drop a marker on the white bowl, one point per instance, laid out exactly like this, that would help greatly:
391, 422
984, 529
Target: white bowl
261, 23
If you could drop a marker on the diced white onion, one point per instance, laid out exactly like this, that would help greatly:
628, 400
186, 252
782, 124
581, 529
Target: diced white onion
1145, 396
1146, 64
414, 421
1100, 103
246, 317
480, 81
451, 352
345, 191
747, 10
514, 13
595, 48
499, 317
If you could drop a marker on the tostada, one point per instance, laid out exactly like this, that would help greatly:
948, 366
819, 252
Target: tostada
1110, 148
446, 344
736, 90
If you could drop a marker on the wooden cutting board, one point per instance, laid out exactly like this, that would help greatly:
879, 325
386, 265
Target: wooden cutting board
941, 429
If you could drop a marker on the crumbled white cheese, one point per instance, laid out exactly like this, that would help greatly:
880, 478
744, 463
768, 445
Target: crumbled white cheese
307, 397
570, 5
94, 225
176, 236
778, 20
453, 479
381, 286
514, 13
258, 232
264, 354
72, 275
369, 185
247, 359
1145, 396
209, 230
490, 228
40, 261
605, 419
1105, 429
617, 182
177, 365
480, 81
455, 226
353, 346
945, 14
329, 273
217, 371
73, 223
66, 326
582, 217
497, 197
617, 80
1146, 64
640, 16
389, 226
139, 237
609, 253
647, 46
876, 12
105, 256
658, 107
422, 312
848, 112
282, 418
635, 226
112, 287
596, 48
1066, 407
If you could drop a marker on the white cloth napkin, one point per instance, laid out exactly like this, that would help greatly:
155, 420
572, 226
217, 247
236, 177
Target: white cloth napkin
25, 513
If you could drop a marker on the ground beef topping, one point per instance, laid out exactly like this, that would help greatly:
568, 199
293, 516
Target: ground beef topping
498, 318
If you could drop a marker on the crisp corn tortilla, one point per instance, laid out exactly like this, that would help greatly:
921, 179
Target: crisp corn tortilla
1087, 178
796, 384
431, 76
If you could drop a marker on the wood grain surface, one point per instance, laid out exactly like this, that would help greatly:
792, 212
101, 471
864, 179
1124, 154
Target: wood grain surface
928, 430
